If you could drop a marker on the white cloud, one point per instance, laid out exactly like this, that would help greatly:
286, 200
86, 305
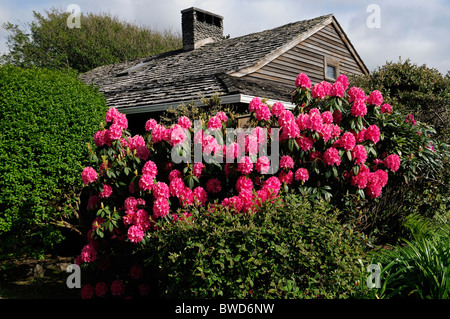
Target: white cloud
411, 28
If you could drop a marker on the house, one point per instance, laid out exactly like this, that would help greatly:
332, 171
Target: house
263, 64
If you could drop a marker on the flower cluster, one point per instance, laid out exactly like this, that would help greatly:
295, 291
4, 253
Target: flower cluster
138, 186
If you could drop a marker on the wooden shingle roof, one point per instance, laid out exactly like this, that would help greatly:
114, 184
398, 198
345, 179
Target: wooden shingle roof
181, 76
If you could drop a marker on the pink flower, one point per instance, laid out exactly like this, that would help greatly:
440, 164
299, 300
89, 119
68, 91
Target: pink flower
337, 89
347, 141
326, 131
382, 177
277, 109
305, 142
245, 165
136, 272
372, 133
233, 203
373, 190
111, 114
360, 136
107, 191
286, 177
246, 197
135, 234
197, 169
173, 174
88, 253
121, 121
289, 130
359, 154
319, 91
262, 112
185, 122
200, 196
114, 132
410, 119
303, 121
358, 108
176, 185
186, 197
243, 182
136, 142
375, 98
160, 189
356, 93
146, 182
150, 169
344, 80
222, 116
303, 81
89, 175
272, 184
392, 162
177, 135
286, 162
87, 291
158, 133
253, 103
386, 108
262, 164
360, 180
150, 125
213, 185
302, 175
214, 123
117, 287
315, 119
331, 157
100, 138
327, 117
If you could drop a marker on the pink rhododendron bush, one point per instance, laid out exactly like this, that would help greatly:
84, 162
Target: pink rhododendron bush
331, 146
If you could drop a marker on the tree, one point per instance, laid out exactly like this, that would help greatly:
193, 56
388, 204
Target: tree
100, 40
419, 90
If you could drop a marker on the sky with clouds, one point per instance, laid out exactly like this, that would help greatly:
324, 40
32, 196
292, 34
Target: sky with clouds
415, 29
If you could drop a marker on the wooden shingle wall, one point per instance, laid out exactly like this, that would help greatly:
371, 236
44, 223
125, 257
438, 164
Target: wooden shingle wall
310, 57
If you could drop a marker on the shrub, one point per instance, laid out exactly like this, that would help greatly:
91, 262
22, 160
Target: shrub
46, 119
332, 146
289, 249
419, 267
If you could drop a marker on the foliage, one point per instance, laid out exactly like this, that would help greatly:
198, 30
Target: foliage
100, 40
418, 268
46, 119
424, 186
419, 90
287, 250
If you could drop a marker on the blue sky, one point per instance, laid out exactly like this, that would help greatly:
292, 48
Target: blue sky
419, 30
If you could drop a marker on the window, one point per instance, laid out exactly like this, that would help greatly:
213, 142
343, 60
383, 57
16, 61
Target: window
331, 72
331, 69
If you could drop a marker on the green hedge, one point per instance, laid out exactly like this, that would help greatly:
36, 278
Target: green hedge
46, 119
287, 250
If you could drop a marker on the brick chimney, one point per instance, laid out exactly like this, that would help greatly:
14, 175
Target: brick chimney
200, 27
